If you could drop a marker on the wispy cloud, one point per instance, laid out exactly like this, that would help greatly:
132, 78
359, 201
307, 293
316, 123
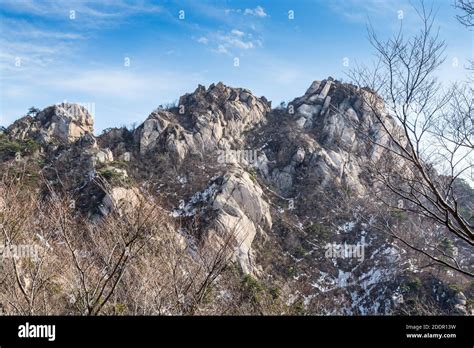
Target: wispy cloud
238, 39
257, 11
360, 11
30, 44
27, 46
203, 40
222, 50
237, 33
21, 56
83, 57
232, 42
239, 29
102, 9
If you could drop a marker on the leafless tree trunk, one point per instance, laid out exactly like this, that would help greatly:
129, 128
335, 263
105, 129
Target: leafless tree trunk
429, 147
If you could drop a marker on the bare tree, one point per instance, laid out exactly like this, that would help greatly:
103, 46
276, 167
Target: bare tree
103, 251
28, 279
467, 7
427, 130
131, 261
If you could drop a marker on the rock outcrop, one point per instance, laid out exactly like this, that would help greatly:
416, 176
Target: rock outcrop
121, 199
237, 210
63, 123
203, 121
334, 121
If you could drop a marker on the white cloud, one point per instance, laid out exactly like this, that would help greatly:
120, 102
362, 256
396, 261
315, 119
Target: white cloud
40, 34
34, 46
203, 40
118, 8
360, 11
237, 32
87, 13
245, 45
257, 11
236, 39
31, 54
231, 10
221, 49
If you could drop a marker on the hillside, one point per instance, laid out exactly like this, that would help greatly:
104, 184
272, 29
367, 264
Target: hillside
218, 205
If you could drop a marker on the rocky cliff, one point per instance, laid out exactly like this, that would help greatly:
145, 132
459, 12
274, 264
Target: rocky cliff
284, 184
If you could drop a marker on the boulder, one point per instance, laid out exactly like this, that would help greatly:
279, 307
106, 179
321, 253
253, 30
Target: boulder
120, 199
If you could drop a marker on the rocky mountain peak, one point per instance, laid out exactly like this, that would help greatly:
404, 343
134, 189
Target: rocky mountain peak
279, 184
218, 94
207, 119
336, 110
64, 123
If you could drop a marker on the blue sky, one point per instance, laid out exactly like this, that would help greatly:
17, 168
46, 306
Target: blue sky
78, 50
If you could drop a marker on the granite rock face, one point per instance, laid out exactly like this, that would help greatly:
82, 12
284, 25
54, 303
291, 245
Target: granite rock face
280, 184
203, 121
336, 120
64, 123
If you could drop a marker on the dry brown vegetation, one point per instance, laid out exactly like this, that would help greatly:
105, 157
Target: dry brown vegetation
131, 262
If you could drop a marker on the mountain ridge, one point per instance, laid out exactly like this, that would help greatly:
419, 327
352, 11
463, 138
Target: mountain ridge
283, 183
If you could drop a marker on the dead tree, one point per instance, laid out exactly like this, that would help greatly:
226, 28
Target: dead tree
467, 8
429, 129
